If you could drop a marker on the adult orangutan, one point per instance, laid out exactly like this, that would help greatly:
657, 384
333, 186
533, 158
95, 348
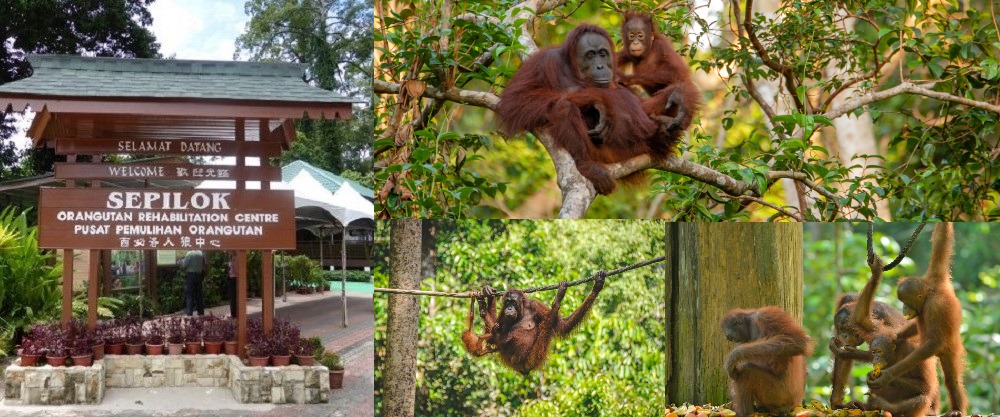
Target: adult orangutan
571, 92
521, 335
767, 366
648, 61
932, 301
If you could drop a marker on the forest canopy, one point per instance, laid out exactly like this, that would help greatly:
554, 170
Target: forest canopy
813, 110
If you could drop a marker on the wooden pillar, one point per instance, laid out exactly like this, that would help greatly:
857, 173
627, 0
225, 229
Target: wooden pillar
241, 255
241, 302
67, 288
93, 282
267, 289
267, 256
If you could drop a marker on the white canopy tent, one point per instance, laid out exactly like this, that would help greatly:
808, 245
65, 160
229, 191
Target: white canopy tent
317, 208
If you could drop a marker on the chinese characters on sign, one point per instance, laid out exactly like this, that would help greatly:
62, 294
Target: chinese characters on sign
154, 219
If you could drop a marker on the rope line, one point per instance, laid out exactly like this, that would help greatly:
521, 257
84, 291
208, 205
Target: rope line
476, 294
902, 253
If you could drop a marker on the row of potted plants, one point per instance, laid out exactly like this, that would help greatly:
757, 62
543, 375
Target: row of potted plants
128, 335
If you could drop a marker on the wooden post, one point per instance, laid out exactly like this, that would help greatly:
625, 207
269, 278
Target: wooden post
92, 286
241, 302
267, 289
67, 288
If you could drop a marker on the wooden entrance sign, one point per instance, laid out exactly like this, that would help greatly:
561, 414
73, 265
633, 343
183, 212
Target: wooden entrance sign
189, 172
147, 219
167, 147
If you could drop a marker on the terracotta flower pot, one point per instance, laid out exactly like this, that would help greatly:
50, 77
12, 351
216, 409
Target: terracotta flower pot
255, 361
56, 360
213, 348
135, 349
307, 360
115, 348
175, 348
337, 379
154, 349
192, 348
281, 360
230, 347
98, 351
29, 360
83, 360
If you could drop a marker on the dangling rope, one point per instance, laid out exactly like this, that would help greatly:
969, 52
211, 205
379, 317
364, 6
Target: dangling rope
476, 294
899, 258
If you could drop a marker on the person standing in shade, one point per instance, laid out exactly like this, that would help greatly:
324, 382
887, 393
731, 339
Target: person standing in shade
232, 283
194, 267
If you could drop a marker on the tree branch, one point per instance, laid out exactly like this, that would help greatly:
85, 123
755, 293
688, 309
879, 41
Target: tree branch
457, 95
904, 88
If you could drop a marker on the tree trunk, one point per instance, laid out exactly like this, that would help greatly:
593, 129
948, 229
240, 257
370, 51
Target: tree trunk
402, 320
714, 268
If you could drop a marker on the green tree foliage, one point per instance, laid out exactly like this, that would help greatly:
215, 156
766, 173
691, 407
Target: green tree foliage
29, 279
94, 28
334, 39
774, 83
612, 364
833, 268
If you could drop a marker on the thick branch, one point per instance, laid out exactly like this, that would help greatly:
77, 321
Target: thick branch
904, 88
472, 98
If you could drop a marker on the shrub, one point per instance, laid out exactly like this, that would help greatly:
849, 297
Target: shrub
29, 279
331, 360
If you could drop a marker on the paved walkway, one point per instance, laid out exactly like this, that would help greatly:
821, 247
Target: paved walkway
317, 314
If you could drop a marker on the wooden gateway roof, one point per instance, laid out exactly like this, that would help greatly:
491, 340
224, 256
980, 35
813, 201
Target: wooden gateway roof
115, 98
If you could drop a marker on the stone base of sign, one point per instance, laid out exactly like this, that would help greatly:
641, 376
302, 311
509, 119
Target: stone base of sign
151, 371
278, 384
47, 385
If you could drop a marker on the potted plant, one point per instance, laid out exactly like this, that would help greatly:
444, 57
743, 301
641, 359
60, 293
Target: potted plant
284, 337
32, 347
214, 336
229, 335
82, 352
192, 335
114, 337
175, 336
332, 362
304, 352
257, 354
55, 346
97, 340
154, 330
133, 336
